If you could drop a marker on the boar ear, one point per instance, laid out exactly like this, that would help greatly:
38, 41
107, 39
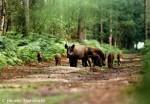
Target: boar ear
73, 46
66, 46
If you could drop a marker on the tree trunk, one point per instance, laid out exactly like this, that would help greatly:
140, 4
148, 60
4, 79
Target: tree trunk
145, 19
8, 26
115, 41
110, 30
80, 30
101, 30
3, 24
27, 17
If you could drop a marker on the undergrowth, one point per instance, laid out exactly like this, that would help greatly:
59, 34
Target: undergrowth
143, 91
16, 49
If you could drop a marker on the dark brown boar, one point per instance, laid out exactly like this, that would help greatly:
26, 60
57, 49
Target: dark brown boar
110, 60
76, 52
96, 60
57, 59
98, 57
39, 57
119, 59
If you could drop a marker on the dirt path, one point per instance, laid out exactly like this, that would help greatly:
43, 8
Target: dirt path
93, 85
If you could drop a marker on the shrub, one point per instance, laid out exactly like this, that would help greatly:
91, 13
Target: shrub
26, 54
143, 90
16, 49
104, 47
3, 60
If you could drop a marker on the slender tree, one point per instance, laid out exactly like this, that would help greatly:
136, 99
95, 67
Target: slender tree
110, 29
80, 29
27, 17
145, 19
3, 17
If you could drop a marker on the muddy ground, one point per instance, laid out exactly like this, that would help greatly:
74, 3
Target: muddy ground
77, 85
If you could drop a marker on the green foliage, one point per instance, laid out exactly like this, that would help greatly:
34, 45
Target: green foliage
3, 60
146, 49
45, 44
26, 54
8, 52
15, 50
18, 51
12, 58
104, 47
60, 18
143, 90
53, 21
92, 43
7, 44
